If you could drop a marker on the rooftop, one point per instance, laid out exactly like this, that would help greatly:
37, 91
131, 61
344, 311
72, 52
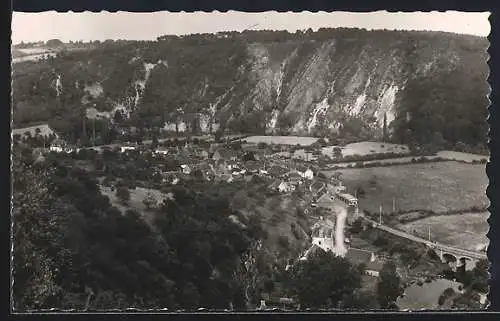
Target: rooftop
375, 265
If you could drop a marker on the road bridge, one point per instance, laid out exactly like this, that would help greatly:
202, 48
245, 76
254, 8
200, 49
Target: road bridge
448, 254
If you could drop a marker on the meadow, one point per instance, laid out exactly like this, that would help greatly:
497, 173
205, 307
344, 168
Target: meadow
425, 296
466, 231
282, 140
368, 148
438, 187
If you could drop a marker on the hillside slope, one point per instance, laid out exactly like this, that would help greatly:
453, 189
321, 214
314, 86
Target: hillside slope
327, 82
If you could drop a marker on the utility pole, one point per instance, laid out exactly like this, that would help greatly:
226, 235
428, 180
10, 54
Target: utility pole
394, 205
429, 229
380, 215
93, 131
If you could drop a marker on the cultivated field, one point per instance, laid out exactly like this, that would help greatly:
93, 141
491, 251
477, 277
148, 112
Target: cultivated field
438, 187
368, 148
467, 231
283, 140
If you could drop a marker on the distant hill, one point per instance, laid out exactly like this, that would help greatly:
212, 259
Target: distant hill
425, 86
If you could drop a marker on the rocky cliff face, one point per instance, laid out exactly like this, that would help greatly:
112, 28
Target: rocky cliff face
308, 84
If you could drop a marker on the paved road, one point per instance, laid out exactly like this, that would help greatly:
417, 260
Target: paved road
325, 199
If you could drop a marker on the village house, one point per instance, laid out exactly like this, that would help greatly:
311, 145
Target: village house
311, 250
186, 164
204, 154
252, 167
161, 151
286, 187
323, 234
277, 171
294, 179
224, 153
373, 265
317, 188
126, 148
232, 164
60, 146
185, 168
274, 185
57, 146
305, 172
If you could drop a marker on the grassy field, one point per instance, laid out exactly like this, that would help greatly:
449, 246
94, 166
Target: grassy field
425, 296
459, 156
284, 140
467, 231
368, 148
45, 130
438, 187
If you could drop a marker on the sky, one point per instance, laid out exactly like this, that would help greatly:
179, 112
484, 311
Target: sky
29, 27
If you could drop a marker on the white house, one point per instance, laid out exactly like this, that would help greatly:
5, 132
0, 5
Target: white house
56, 148
285, 187
374, 267
161, 151
123, 149
309, 174
186, 169
323, 235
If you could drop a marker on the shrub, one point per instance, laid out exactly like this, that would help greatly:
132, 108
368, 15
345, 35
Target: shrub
284, 242
123, 194
296, 233
381, 241
149, 200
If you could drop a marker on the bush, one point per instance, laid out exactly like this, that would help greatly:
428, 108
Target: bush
381, 241
284, 242
123, 194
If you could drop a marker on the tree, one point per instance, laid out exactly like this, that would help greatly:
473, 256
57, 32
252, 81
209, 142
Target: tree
385, 134
149, 200
321, 142
389, 285
123, 194
261, 145
324, 280
337, 152
54, 43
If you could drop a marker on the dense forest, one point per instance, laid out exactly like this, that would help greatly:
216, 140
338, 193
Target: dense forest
333, 82
73, 250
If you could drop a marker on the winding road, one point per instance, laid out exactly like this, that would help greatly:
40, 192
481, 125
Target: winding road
326, 199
